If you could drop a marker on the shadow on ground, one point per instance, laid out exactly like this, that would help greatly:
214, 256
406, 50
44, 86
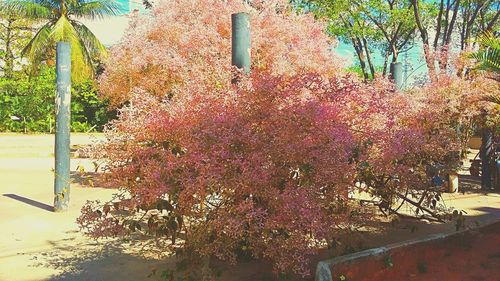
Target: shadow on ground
96, 261
31, 202
83, 262
88, 179
471, 184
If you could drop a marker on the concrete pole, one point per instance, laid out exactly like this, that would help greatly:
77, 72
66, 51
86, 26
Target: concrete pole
63, 115
396, 71
240, 42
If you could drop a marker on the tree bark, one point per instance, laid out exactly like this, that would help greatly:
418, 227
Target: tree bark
429, 58
386, 58
493, 21
9, 60
486, 157
438, 27
446, 21
464, 26
369, 58
359, 52
452, 23
395, 53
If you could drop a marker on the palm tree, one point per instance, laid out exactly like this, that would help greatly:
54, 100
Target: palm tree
61, 24
488, 56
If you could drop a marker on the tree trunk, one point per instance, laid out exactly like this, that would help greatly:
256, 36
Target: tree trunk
493, 21
452, 23
464, 27
446, 21
9, 61
438, 28
486, 157
395, 53
429, 56
359, 52
386, 59
369, 58
8, 68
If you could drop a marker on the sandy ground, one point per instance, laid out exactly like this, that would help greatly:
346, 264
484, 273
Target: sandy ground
37, 244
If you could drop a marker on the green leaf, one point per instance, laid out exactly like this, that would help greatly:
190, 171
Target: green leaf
488, 56
96, 9
41, 9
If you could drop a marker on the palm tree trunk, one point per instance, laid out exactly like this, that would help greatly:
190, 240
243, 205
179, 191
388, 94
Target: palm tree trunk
486, 157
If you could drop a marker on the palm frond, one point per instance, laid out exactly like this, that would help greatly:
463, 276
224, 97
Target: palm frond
488, 59
96, 9
493, 98
81, 64
488, 55
86, 55
34, 9
489, 40
89, 40
39, 43
85, 47
63, 30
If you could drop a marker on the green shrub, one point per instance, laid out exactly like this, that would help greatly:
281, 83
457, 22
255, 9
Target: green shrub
27, 104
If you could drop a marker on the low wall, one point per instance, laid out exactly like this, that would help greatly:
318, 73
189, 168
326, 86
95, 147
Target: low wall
326, 269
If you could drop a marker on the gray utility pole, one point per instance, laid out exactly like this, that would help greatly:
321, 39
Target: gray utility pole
396, 71
63, 116
240, 42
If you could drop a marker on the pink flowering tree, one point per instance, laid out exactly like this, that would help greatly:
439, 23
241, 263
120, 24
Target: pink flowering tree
189, 42
400, 138
264, 168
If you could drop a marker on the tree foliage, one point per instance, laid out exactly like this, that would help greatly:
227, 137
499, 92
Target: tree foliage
61, 23
15, 33
27, 104
263, 168
164, 52
370, 24
488, 56
456, 21
347, 23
